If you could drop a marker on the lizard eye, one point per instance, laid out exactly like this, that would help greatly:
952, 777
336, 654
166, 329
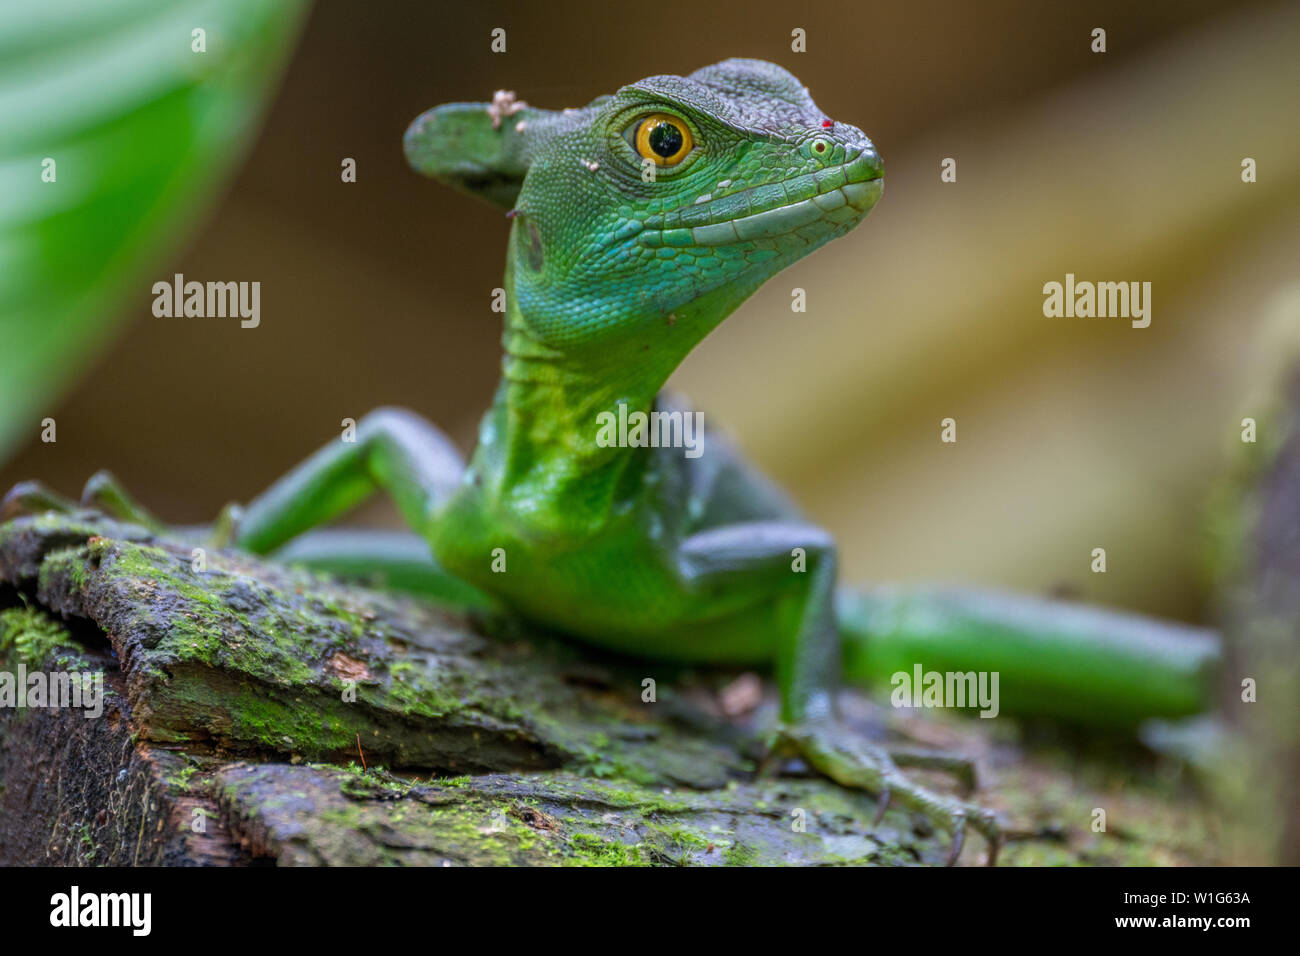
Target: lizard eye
663, 139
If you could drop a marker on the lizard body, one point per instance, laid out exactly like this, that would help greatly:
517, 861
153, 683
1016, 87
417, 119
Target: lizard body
637, 224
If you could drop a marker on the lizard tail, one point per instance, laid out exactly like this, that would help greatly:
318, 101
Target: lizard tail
1053, 658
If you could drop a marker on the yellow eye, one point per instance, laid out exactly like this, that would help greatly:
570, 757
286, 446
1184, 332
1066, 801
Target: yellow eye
664, 140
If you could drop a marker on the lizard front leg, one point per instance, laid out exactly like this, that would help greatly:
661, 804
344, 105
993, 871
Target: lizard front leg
793, 565
394, 450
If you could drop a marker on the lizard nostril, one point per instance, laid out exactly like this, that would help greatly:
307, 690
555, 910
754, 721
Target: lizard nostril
819, 146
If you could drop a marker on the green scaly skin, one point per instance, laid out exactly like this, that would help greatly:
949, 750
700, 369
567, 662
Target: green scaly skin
612, 277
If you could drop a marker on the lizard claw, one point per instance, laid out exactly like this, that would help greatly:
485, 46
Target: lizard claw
958, 837
881, 807
955, 817
853, 762
985, 821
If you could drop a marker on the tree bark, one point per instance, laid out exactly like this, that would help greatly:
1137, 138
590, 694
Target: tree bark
260, 712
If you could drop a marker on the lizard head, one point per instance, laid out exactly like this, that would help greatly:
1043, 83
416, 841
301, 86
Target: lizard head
651, 214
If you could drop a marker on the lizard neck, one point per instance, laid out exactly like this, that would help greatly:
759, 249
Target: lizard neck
547, 415
542, 445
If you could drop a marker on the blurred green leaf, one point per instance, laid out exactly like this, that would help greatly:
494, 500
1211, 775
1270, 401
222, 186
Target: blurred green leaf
142, 130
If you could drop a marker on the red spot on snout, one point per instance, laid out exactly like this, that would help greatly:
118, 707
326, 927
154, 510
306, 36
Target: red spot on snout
827, 124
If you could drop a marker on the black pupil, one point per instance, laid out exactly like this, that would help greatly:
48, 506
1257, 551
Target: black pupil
666, 140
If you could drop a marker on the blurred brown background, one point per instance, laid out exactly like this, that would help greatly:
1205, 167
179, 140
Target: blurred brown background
1073, 434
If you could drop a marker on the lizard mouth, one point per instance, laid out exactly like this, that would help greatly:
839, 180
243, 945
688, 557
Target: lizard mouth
841, 194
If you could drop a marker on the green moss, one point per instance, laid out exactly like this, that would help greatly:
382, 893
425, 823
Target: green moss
586, 849
468, 831
374, 782
686, 838
202, 632
644, 801
32, 635
740, 854
183, 777
677, 844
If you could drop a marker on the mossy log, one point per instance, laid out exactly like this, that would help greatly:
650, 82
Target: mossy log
257, 712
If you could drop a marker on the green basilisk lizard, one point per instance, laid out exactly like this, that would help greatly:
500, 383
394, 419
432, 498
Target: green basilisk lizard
637, 224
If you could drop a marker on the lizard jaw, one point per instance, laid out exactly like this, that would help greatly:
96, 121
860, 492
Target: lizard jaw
863, 195
856, 184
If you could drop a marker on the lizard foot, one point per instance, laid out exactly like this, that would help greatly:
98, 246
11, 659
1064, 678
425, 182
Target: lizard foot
31, 498
102, 493
853, 762
106, 494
